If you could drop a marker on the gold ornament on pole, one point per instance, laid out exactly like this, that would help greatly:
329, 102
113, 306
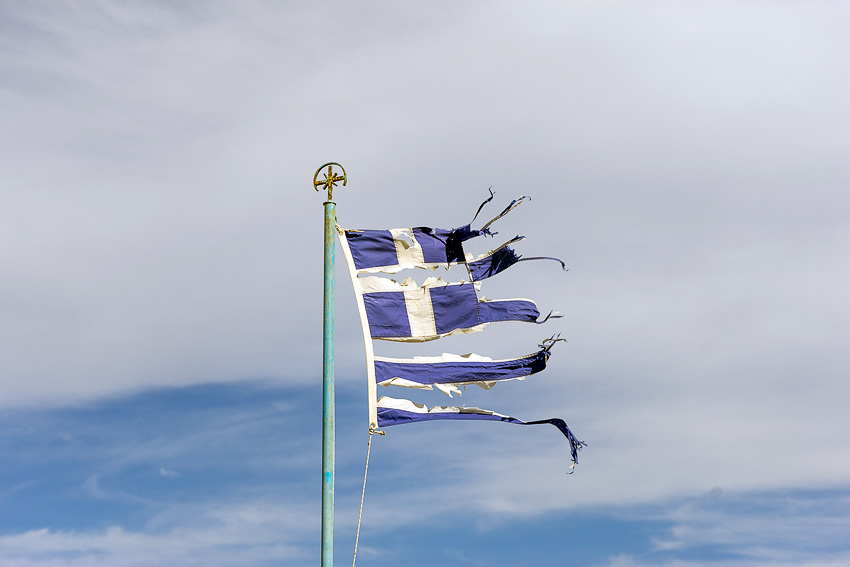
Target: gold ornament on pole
330, 178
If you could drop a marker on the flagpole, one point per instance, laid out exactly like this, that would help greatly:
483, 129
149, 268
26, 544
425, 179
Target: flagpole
328, 402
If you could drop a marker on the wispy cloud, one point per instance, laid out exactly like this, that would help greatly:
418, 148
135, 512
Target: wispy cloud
250, 533
793, 528
762, 526
688, 161
241, 471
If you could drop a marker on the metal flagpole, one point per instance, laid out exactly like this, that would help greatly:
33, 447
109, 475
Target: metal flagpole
328, 403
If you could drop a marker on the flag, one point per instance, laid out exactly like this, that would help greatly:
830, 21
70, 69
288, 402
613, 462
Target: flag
411, 312
392, 411
393, 250
414, 313
449, 372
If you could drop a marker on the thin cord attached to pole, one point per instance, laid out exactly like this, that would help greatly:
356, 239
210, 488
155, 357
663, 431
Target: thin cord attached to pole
363, 494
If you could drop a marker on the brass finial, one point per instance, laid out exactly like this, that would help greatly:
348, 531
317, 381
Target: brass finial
330, 179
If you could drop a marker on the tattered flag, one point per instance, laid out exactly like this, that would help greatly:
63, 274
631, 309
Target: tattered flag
410, 312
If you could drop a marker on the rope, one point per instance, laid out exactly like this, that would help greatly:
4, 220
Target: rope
363, 494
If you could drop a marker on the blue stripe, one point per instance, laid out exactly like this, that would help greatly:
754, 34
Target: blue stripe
371, 248
455, 307
499, 261
391, 416
451, 372
440, 245
377, 249
387, 314
508, 310
433, 243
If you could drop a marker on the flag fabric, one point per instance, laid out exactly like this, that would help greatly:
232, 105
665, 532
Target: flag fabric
450, 372
393, 250
392, 411
410, 312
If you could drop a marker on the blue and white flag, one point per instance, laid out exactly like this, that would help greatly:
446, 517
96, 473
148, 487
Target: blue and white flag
396, 249
412, 312
450, 372
392, 411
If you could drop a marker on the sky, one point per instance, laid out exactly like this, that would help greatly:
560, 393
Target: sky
161, 253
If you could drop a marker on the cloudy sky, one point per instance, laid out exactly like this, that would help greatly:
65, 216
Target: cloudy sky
160, 245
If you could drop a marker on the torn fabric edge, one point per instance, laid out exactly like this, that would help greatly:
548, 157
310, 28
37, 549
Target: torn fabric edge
404, 411
408, 253
450, 371
511, 206
394, 411
409, 312
481, 206
393, 250
498, 260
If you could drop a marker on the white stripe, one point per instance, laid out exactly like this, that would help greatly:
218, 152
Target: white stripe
404, 383
408, 250
372, 284
371, 390
400, 404
407, 405
448, 388
420, 314
397, 268
449, 357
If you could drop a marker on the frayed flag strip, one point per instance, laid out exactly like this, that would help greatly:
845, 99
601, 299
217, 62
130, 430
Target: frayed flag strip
449, 372
410, 312
395, 411
390, 251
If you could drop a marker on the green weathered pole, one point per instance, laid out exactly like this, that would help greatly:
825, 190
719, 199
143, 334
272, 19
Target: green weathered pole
328, 402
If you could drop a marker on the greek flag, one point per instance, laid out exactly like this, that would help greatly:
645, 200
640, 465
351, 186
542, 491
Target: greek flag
414, 312
390, 251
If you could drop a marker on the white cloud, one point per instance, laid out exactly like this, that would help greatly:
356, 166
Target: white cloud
263, 533
761, 529
688, 161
